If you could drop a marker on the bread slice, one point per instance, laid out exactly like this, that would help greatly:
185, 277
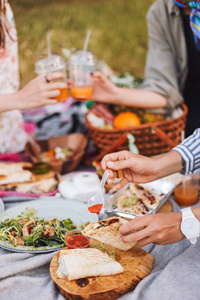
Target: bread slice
38, 187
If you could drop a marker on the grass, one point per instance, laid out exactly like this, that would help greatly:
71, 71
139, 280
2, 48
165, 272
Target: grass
119, 33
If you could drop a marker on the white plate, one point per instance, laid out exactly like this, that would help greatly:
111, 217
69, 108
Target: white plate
49, 208
2, 208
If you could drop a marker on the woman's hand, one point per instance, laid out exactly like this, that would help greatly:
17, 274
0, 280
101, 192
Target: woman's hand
161, 229
38, 92
103, 89
140, 169
136, 168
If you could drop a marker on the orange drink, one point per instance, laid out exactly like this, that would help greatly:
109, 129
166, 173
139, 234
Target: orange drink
186, 193
63, 95
186, 196
81, 92
46, 64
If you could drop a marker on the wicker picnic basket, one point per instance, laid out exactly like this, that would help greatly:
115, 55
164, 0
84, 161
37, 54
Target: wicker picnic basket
150, 138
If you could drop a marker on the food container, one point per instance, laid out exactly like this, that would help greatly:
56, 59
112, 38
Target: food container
76, 142
75, 240
81, 187
150, 138
161, 187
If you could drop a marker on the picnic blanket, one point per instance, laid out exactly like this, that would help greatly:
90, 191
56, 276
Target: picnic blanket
175, 274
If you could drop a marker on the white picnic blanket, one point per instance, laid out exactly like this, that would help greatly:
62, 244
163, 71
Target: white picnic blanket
175, 275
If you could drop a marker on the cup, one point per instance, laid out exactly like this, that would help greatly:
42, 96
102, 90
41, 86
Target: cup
46, 64
186, 193
81, 65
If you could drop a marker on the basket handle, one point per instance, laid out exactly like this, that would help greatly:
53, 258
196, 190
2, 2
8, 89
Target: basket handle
163, 136
119, 142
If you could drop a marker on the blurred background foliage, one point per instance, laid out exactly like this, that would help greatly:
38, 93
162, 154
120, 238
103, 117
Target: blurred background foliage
119, 31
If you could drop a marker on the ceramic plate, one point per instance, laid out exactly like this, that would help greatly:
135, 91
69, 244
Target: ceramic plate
49, 208
1, 206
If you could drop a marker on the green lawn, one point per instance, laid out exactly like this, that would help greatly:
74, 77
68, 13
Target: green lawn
119, 33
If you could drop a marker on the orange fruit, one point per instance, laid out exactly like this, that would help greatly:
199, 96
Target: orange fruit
126, 119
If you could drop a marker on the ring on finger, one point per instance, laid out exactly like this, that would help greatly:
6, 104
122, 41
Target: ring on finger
46, 78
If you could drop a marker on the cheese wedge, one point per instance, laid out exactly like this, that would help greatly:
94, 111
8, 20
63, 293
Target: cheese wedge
89, 262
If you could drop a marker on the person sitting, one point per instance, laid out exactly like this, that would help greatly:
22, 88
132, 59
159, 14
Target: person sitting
38, 92
160, 228
172, 66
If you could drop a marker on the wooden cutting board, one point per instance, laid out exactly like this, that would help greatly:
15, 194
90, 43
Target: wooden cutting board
136, 262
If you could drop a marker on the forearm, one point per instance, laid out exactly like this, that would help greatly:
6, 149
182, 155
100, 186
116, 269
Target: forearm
167, 164
139, 98
8, 102
189, 149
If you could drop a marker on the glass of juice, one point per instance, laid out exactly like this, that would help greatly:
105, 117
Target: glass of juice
81, 65
186, 193
46, 64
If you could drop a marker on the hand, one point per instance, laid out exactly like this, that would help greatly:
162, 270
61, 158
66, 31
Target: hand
136, 168
38, 92
161, 229
103, 89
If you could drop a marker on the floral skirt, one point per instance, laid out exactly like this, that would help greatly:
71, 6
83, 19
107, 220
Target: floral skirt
12, 135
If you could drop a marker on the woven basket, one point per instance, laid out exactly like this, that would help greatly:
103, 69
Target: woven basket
151, 138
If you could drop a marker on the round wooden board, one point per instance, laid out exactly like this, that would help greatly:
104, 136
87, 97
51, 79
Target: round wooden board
136, 262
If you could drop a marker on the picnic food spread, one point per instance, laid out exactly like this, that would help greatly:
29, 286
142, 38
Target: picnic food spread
27, 229
106, 231
21, 178
76, 263
56, 154
100, 271
118, 116
137, 199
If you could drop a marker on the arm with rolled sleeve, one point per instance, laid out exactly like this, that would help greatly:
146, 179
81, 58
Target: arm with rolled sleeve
189, 149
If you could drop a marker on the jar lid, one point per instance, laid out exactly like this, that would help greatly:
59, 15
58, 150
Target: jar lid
46, 64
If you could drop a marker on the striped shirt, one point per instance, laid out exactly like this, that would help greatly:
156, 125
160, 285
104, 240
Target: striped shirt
189, 149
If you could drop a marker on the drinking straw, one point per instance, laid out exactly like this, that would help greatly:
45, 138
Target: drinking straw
85, 45
86, 41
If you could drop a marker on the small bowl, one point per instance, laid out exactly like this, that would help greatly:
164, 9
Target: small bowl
76, 240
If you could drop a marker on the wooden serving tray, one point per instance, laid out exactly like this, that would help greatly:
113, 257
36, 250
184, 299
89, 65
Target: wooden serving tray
136, 262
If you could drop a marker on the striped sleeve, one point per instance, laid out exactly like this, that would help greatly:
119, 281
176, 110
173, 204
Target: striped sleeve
189, 149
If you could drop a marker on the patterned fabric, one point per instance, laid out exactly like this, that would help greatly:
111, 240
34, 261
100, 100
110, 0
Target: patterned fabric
194, 17
189, 149
12, 134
